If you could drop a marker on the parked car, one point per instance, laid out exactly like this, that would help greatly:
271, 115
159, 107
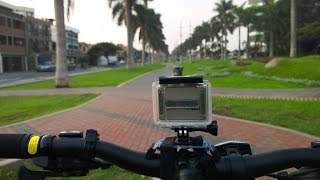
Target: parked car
47, 66
122, 62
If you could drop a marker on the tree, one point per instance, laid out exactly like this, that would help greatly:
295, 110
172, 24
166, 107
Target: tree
226, 18
103, 49
61, 64
240, 14
122, 9
147, 23
293, 37
309, 39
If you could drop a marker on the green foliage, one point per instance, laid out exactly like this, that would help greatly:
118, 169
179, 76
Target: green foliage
150, 28
111, 77
302, 116
309, 38
273, 16
103, 48
10, 173
21, 108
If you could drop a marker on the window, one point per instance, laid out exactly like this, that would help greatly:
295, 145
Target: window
70, 35
69, 46
18, 41
18, 24
72, 47
75, 35
9, 22
3, 40
29, 13
9, 40
2, 21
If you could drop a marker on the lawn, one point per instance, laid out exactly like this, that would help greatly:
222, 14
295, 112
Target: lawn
227, 74
303, 116
16, 109
111, 77
301, 68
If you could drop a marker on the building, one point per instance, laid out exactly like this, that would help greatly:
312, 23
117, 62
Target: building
12, 41
24, 11
38, 35
84, 47
19, 24
72, 43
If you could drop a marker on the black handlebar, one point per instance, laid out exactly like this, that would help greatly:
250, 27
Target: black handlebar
234, 166
237, 166
14, 145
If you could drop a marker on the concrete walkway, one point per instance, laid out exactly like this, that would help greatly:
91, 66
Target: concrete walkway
124, 116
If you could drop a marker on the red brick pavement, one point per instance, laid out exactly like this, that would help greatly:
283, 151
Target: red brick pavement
124, 116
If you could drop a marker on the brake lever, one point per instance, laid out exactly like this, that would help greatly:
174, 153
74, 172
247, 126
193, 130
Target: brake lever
152, 149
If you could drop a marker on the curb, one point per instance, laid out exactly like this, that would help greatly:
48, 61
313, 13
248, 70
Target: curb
269, 125
137, 77
21, 82
268, 97
8, 161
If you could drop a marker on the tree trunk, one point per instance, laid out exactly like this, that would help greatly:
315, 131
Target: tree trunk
239, 47
205, 49
143, 56
152, 57
61, 64
221, 46
225, 48
293, 38
149, 55
129, 34
248, 42
271, 44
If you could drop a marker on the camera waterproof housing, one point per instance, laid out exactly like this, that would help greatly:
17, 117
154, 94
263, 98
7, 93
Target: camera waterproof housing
182, 102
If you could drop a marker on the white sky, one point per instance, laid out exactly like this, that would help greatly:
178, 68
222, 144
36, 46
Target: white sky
94, 20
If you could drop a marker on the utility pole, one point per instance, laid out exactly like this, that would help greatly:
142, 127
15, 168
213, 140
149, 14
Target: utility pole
190, 42
180, 42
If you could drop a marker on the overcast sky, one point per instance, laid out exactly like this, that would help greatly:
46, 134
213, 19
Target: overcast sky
93, 19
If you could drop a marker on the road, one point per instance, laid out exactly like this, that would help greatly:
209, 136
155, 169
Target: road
14, 78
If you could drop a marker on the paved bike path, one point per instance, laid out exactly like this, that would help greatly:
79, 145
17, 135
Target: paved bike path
124, 116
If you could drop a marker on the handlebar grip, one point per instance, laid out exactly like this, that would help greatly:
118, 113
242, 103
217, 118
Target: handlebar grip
14, 145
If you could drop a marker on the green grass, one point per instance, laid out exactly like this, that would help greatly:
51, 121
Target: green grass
21, 108
299, 68
10, 173
303, 116
114, 172
111, 77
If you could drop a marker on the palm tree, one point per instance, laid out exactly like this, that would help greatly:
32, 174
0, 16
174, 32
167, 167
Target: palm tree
240, 14
61, 64
269, 10
293, 38
122, 9
226, 18
146, 21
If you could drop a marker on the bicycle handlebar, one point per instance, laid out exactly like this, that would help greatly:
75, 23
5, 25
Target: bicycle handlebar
234, 166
